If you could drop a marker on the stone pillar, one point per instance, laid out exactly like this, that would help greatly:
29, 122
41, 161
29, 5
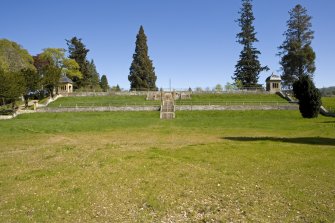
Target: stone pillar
35, 105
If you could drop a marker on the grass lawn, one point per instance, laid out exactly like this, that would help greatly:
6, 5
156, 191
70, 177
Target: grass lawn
249, 166
223, 99
115, 100
196, 99
329, 103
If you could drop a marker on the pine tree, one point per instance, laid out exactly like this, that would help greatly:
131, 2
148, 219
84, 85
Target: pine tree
297, 55
78, 52
95, 77
248, 66
142, 73
104, 83
308, 95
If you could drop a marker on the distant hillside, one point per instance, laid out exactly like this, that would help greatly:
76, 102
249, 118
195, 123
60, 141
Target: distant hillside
329, 91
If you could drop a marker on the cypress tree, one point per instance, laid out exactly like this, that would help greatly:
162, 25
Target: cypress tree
248, 66
308, 95
297, 55
142, 73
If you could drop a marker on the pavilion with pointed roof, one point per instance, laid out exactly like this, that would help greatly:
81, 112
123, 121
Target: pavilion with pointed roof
273, 83
65, 85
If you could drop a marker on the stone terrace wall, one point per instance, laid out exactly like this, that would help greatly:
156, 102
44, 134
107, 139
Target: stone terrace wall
183, 93
101, 109
235, 107
5, 117
178, 108
126, 93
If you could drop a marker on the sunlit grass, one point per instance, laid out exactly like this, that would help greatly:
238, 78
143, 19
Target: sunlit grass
254, 166
329, 103
196, 99
94, 101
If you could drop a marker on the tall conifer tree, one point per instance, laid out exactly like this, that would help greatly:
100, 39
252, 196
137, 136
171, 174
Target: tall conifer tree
104, 83
297, 55
78, 52
142, 73
248, 66
95, 76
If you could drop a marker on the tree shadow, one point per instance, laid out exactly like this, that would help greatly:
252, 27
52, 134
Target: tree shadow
328, 122
300, 140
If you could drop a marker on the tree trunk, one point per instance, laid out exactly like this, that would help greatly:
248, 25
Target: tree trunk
26, 98
13, 105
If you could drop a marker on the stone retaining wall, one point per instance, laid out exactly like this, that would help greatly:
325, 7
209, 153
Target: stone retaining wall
157, 108
122, 93
6, 117
234, 107
101, 109
145, 93
19, 112
178, 108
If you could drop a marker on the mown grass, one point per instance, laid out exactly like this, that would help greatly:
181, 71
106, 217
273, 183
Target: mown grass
114, 100
329, 103
256, 166
223, 99
196, 99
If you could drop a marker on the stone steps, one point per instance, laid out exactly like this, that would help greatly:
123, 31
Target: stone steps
167, 115
167, 108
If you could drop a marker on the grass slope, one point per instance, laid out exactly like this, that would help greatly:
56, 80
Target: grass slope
263, 166
197, 99
222, 99
329, 103
115, 100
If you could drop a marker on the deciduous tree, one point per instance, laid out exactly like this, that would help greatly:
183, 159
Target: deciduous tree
13, 57
54, 64
116, 88
218, 88
18, 73
32, 82
11, 86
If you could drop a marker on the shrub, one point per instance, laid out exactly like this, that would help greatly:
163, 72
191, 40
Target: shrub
309, 97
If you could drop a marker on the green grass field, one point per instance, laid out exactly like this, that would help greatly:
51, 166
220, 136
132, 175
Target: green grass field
223, 99
196, 99
329, 103
236, 166
115, 100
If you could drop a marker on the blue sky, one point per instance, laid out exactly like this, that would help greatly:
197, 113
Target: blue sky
191, 42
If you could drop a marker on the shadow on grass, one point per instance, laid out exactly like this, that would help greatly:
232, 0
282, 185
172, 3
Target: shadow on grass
328, 122
300, 140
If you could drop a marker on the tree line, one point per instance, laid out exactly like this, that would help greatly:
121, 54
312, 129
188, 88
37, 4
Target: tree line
297, 57
21, 74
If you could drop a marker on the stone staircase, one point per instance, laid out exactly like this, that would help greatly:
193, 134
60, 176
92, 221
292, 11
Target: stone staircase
287, 97
323, 110
168, 107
